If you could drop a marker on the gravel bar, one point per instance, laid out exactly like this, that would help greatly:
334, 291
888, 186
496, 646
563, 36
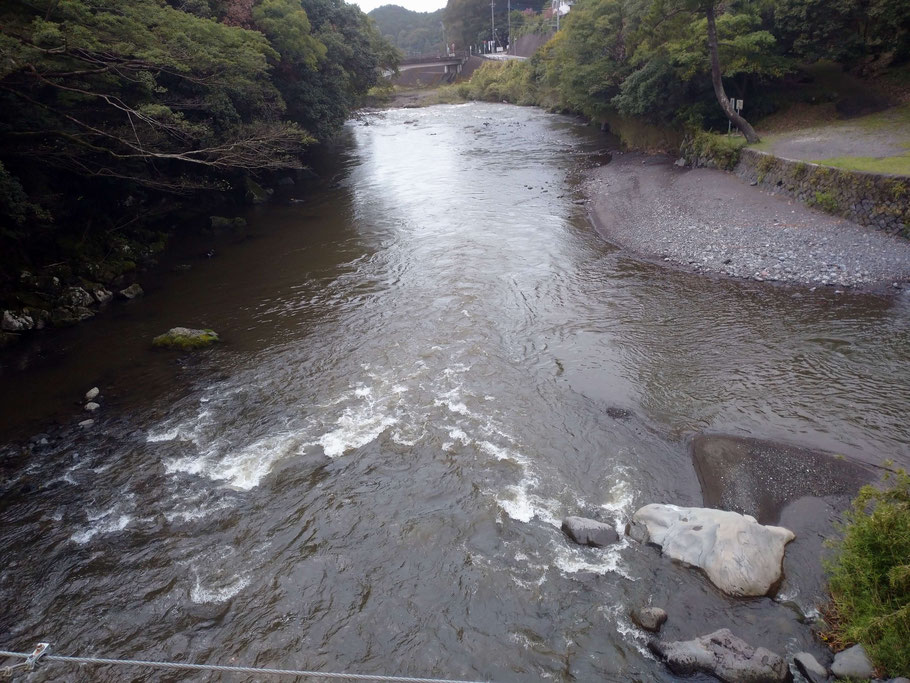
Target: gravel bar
712, 222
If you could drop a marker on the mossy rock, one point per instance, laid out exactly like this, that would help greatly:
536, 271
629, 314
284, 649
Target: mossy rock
185, 339
255, 193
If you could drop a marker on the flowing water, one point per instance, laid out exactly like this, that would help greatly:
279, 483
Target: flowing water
427, 363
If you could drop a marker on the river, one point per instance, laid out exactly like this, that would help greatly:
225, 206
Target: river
427, 364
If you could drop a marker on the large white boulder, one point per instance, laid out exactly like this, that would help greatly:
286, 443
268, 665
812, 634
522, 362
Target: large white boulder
739, 555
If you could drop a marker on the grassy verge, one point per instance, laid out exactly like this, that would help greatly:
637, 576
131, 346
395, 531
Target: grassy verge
869, 576
899, 165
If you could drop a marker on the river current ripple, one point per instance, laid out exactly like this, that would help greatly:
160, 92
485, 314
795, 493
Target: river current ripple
427, 366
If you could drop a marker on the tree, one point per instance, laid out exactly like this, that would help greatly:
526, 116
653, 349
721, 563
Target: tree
717, 81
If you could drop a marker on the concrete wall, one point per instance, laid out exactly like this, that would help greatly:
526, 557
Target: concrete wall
880, 201
529, 44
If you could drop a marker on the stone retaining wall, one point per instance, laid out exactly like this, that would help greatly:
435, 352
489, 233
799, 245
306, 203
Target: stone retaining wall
880, 201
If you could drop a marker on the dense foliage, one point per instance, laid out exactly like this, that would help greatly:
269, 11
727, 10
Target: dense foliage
870, 576
649, 59
108, 106
468, 21
411, 32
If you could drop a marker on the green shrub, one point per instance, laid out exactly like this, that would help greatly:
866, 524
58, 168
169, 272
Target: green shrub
825, 201
869, 576
765, 164
723, 150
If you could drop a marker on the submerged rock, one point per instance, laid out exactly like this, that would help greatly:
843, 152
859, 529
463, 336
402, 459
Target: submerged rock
723, 655
8, 339
589, 532
760, 478
810, 668
185, 338
86, 423
649, 618
132, 291
739, 555
853, 663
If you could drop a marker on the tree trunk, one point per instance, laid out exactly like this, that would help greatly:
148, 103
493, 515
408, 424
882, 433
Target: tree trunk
747, 130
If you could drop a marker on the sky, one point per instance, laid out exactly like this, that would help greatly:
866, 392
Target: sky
416, 5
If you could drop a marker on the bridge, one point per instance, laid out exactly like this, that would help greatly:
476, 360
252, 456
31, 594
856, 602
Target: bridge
451, 64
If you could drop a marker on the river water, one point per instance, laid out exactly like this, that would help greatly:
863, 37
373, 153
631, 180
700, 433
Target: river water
427, 364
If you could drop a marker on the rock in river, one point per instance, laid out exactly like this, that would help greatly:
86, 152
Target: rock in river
739, 555
723, 655
132, 291
11, 322
649, 618
589, 532
809, 667
185, 338
852, 663
92, 394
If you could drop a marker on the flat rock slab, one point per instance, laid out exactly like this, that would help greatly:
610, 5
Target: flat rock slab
589, 531
723, 655
760, 478
739, 555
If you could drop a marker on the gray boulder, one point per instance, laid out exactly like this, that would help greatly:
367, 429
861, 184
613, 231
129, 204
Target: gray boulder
723, 655
12, 322
649, 618
810, 668
102, 295
76, 296
91, 406
92, 394
131, 292
852, 663
739, 555
70, 315
589, 532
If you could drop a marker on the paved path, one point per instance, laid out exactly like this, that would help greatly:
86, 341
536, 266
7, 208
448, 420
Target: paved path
886, 134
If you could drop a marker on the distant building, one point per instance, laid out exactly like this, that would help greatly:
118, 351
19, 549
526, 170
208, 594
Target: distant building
558, 8
561, 7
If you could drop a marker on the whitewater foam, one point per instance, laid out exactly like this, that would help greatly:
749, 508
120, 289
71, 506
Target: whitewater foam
107, 522
208, 594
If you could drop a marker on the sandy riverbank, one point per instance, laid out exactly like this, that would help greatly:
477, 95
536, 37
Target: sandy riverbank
713, 222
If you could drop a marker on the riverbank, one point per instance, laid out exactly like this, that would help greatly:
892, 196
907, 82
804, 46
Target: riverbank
712, 222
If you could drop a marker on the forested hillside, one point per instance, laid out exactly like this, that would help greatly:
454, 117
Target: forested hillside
650, 59
411, 32
115, 113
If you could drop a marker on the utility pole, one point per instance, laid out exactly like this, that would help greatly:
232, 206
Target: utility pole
493, 23
445, 45
509, 15
558, 7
